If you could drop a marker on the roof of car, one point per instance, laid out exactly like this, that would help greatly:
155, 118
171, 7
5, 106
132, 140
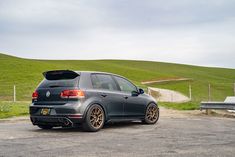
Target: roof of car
95, 72
98, 72
79, 72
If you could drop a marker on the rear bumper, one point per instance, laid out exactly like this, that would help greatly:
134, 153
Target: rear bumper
58, 120
59, 115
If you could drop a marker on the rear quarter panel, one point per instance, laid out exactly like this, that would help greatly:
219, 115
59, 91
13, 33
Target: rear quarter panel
92, 97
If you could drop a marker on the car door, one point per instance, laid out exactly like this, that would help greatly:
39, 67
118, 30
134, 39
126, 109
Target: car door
135, 104
110, 93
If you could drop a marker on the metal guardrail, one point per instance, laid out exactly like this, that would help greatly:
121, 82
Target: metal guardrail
217, 105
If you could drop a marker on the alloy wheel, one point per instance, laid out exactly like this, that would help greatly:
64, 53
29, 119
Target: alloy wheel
152, 113
96, 117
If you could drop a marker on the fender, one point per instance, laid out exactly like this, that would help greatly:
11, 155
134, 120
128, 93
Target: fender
89, 102
151, 102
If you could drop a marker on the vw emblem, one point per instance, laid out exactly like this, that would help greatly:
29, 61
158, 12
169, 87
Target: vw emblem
48, 94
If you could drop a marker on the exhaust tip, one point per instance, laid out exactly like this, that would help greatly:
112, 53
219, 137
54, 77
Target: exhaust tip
66, 122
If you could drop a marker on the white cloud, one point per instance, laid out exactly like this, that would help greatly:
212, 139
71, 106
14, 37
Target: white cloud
192, 32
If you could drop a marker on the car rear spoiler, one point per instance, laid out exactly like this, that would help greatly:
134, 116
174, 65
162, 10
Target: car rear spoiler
60, 74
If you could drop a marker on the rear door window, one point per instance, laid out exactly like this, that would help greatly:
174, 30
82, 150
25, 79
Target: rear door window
103, 81
125, 85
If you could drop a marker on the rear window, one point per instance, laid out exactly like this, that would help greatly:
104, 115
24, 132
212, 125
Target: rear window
59, 83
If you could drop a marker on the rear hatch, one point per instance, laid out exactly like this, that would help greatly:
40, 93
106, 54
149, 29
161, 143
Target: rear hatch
55, 82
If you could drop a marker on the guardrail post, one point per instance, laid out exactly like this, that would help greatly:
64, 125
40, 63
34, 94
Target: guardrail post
208, 111
234, 89
209, 92
190, 92
14, 93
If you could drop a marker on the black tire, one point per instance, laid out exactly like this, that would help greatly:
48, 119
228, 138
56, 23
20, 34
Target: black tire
94, 119
151, 114
45, 127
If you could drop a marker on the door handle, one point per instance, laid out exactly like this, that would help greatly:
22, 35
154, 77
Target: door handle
104, 95
126, 97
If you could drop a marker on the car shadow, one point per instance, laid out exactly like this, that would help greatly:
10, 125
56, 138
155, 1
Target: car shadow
60, 129
107, 126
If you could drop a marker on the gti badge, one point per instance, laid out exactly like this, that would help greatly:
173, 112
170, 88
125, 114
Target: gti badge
48, 94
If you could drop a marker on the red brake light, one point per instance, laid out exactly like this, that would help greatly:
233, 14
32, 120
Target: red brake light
35, 95
72, 94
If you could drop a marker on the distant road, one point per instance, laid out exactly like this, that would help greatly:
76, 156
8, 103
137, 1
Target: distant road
181, 136
166, 95
167, 80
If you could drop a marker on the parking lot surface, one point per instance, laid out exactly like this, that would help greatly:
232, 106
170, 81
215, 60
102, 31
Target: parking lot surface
171, 136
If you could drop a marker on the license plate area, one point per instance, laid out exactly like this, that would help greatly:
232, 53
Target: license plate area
45, 111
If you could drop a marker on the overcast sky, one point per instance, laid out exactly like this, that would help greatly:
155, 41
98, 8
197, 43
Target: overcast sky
200, 32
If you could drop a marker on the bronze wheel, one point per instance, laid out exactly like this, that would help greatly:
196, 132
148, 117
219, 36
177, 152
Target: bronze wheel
94, 119
152, 114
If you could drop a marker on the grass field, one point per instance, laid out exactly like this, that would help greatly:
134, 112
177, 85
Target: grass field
10, 109
26, 74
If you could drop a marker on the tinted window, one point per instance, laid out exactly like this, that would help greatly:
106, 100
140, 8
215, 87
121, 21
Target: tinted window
59, 83
125, 85
102, 81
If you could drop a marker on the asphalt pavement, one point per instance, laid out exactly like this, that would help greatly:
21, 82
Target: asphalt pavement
171, 136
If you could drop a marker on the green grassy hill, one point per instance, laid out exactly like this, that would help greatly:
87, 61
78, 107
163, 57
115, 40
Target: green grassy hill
26, 74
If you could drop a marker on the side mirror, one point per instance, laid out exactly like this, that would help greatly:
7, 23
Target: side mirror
134, 93
141, 91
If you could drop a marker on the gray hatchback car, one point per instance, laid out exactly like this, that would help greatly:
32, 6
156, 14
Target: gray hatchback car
71, 98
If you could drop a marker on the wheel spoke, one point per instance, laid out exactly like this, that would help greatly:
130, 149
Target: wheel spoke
93, 122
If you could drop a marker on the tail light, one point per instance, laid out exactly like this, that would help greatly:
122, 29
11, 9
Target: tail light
35, 95
72, 94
